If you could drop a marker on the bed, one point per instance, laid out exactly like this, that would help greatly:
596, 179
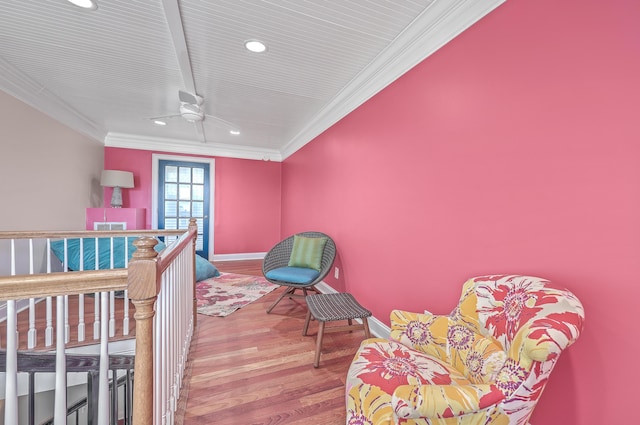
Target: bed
81, 255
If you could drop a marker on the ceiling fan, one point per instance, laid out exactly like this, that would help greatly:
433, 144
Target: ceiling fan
191, 109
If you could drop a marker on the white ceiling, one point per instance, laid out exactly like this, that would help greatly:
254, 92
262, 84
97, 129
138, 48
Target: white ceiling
106, 72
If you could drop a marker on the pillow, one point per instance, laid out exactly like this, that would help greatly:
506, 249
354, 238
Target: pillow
307, 252
204, 269
293, 274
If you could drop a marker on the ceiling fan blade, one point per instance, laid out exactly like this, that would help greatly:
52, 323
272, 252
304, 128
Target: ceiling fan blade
224, 123
164, 117
200, 130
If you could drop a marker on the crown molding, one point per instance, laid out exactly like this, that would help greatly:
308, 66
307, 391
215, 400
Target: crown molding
158, 144
23, 88
437, 25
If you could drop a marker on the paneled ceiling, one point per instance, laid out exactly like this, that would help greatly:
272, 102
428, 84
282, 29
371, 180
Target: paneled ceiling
108, 72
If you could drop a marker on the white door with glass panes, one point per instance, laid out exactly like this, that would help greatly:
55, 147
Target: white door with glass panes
184, 193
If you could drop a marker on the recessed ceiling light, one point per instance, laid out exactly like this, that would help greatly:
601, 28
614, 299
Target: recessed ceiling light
234, 132
85, 4
159, 122
255, 46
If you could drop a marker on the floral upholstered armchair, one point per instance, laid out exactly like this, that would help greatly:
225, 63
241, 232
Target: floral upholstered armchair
485, 363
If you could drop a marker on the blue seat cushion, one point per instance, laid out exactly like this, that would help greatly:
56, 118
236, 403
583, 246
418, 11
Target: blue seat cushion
300, 275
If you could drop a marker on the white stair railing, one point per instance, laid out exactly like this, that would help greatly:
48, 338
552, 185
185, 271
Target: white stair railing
168, 278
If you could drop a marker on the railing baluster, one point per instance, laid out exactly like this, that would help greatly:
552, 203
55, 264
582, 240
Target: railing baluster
32, 398
112, 314
11, 369
103, 392
112, 311
114, 397
67, 328
92, 394
81, 326
96, 300
128, 397
60, 401
125, 319
48, 332
11, 374
32, 333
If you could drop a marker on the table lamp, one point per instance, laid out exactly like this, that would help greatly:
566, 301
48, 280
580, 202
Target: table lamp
116, 179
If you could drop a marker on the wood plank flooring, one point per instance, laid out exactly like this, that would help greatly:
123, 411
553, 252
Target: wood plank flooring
256, 368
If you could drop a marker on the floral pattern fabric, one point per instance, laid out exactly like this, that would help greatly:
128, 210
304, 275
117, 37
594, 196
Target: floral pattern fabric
485, 363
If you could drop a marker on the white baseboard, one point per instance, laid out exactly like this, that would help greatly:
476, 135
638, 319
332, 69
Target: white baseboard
244, 256
376, 327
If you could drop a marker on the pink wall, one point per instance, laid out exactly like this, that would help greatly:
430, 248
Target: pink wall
514, 149
247, 198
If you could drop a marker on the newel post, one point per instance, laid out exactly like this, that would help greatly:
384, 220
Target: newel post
193, 224
143, 287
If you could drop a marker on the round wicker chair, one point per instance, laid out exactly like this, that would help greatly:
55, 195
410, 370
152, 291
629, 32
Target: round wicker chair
279, 256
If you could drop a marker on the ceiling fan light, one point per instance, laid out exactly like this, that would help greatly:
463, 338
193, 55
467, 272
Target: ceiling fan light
85, 4
255, 46
191, 113
234, 132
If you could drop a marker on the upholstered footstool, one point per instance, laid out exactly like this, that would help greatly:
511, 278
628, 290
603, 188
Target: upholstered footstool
334, 307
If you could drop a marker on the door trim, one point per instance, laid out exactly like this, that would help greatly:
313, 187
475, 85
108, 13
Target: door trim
155, 161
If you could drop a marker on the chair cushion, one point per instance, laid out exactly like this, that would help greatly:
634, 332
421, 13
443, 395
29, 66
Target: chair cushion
293, 274
307, 252
476, 357
389, 364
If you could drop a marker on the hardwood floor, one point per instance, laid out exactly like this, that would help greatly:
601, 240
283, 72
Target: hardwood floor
256, 368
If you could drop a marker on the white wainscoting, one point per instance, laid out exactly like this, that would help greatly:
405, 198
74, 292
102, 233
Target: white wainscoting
244, 256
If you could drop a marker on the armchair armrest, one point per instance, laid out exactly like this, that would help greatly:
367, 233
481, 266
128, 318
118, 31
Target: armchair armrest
423, 332
443, 401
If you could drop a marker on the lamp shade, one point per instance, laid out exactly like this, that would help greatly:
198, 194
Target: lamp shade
116, 178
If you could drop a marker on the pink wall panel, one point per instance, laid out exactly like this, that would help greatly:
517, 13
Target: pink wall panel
247, 198
139, 163
514, 149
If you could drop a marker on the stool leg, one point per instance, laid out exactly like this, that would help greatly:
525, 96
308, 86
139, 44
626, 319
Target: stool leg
316, 362
365, 323
306, 323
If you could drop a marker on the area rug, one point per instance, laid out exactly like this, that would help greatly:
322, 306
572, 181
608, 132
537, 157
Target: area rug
222, 295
